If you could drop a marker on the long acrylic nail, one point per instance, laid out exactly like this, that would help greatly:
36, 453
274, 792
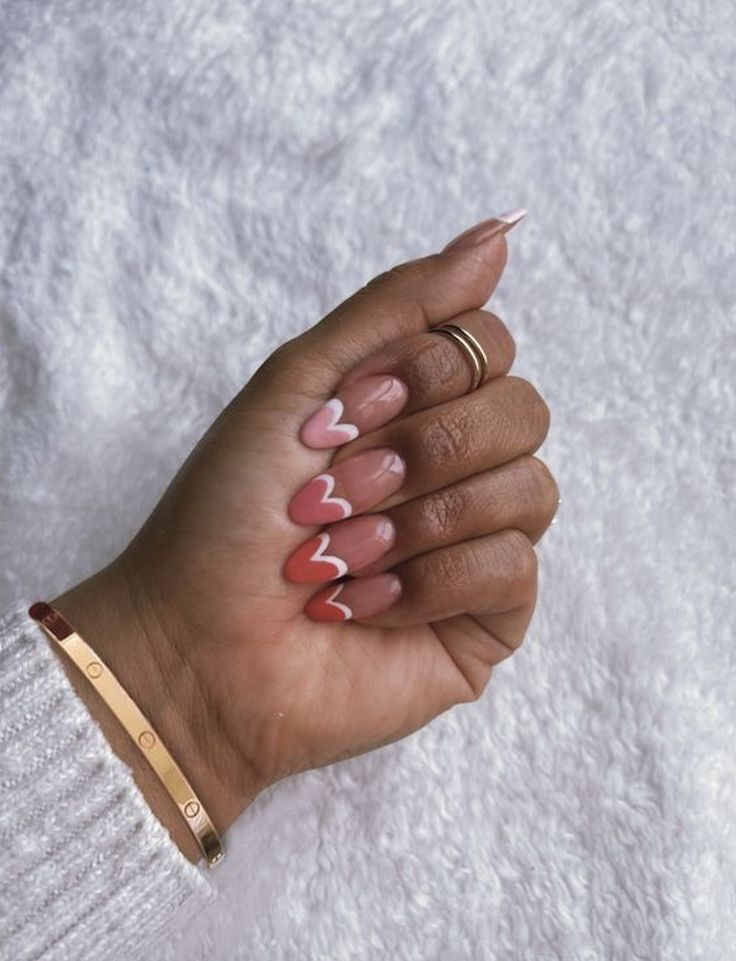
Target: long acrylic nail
363, 406
361, 597
340, 549
350, 487
480, 233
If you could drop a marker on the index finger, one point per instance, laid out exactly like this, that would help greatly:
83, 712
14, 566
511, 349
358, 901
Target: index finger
408, 299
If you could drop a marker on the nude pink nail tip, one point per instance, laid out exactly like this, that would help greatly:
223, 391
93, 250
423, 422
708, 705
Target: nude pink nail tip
513, 216
362, 540
374, 400
326, 428
480, 233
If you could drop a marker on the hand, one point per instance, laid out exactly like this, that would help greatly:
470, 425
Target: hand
210, 617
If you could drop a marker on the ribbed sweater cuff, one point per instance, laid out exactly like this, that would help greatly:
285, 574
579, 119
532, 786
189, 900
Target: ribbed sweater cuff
87, 871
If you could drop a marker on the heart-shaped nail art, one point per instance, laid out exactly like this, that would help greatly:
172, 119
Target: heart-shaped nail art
323, 429
316, 496
326, 607
361, 597
310, 562
360, 407
346, 546
360, 482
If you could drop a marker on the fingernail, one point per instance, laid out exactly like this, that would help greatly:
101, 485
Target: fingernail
501, 224
353, 486
361, 597
341, 549
363, 406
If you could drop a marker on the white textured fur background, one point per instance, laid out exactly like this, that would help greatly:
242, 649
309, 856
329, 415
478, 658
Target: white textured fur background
185, 184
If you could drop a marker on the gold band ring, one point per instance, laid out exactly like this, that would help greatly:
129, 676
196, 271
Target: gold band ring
471, 347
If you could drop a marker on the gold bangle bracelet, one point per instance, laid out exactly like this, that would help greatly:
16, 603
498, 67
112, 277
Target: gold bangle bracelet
136, 724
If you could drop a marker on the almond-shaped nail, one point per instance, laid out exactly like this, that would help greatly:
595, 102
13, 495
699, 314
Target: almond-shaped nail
360, 597
340, 549
500, 224
350, 487
361, 407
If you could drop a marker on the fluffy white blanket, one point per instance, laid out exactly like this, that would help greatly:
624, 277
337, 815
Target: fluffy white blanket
184, 184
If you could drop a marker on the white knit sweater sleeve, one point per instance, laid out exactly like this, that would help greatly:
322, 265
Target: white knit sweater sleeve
87, 871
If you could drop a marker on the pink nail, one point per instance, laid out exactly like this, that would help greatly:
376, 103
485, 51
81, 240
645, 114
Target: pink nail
351, 487
341, 548
361, 597
486, 229
363, 406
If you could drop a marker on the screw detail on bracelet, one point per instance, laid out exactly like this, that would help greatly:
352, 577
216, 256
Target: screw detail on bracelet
147, 739
137, 726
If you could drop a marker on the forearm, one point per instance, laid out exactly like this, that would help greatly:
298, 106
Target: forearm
110, 613
104, 620
86, 869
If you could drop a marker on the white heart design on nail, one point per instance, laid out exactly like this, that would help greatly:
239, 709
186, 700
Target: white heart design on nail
319, 556
343, 608
336, 408
329, 482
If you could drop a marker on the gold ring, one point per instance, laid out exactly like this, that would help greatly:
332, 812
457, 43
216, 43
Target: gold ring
471, 347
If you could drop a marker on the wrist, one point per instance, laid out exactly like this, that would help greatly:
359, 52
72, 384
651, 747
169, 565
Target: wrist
108, 614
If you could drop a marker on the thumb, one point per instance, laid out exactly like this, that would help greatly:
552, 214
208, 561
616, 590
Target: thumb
406, 299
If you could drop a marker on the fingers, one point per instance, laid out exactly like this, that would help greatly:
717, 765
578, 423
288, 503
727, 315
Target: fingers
431, 449
486, 576
404, 300
407, 375
478, 596
522, 495
518, 498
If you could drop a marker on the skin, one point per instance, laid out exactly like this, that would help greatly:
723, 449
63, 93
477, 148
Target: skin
196, 617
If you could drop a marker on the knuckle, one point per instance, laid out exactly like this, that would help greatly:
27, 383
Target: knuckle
502, 342
441, 513
521, 566
536, 413
450, 567
545, 492
443, 440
